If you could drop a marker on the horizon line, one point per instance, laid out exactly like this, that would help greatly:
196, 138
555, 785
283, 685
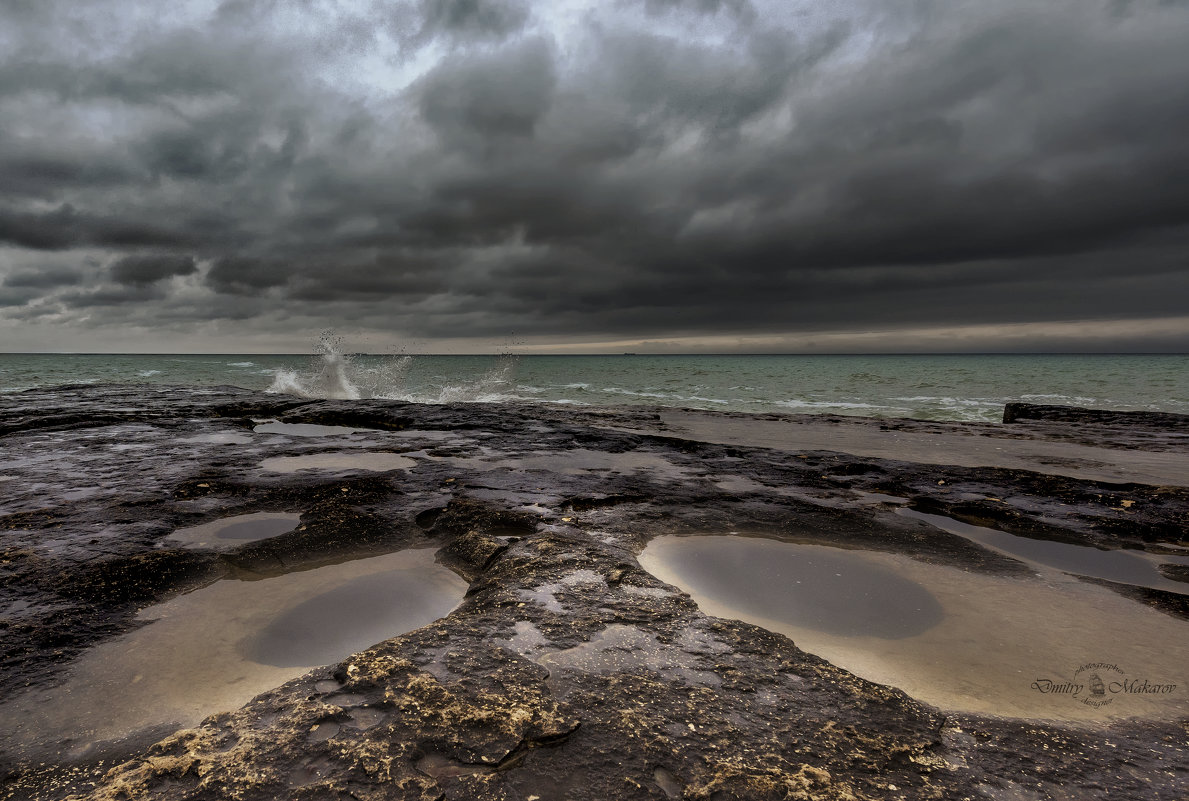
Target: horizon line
614, 353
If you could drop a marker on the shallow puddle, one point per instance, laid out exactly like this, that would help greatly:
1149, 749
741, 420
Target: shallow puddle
216, 648
231, 532
825, 589
303, 429
220, 438
338, 462
574, 462
1128, 567
1032, 648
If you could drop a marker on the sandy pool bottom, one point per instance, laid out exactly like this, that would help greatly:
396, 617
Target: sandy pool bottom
216, 648
1042, 647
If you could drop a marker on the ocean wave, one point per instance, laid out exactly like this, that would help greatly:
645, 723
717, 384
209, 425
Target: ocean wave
241, 364
335, 375
945, 400
635, 393
802, 404
1075, 399
671, 396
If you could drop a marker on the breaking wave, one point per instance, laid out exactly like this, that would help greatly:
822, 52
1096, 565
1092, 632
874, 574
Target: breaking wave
335, 375
493, 385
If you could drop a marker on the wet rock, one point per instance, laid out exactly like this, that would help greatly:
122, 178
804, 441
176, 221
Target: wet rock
1165, 421
1176, 572
471, 553
567, 671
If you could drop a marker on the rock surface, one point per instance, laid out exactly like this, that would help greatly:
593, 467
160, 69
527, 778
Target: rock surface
568, 671
1165, 421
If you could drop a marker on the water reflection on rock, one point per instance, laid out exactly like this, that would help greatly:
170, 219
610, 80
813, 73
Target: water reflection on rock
961, 640
215, 648
231, 532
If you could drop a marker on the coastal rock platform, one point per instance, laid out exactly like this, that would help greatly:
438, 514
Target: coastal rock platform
567, 671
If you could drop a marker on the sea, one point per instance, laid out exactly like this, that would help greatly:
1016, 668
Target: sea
929, 387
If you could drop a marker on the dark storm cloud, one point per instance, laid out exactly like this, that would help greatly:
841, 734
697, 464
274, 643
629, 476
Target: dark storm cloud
66, 227
30, 171
148, 269
246, 275
740, 7
44, 278
466, 168
473, 18
117, 296
489, 98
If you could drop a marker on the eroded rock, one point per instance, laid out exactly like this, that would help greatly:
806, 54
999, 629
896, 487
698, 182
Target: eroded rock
568, 671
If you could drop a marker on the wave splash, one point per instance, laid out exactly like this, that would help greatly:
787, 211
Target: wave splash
491, 386
329, 375
335, 375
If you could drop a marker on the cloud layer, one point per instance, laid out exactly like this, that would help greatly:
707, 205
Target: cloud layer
237, 175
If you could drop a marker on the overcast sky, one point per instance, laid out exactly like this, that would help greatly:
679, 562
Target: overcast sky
461, 175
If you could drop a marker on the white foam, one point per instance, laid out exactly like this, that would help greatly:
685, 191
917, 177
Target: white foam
335, 375
329, 376
800, 404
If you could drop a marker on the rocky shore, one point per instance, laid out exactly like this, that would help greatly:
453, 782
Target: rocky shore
567, 671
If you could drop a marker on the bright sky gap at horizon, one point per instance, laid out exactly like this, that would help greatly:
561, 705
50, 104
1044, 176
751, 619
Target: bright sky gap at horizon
659, 175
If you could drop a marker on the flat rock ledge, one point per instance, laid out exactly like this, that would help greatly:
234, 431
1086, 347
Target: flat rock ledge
568, 672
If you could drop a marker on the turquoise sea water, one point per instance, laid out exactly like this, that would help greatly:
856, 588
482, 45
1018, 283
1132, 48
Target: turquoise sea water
947, 387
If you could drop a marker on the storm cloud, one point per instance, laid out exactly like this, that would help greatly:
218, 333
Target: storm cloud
240, 174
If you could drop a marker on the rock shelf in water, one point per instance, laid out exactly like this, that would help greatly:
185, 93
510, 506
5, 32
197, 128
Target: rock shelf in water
568, 671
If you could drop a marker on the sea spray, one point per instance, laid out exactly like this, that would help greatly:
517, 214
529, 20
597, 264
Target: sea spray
491, 386
335, 375
328, 376
387, 379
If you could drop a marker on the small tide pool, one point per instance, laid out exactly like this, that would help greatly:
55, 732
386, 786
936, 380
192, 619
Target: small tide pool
231, 532
302, 429
339, 462
1127, 567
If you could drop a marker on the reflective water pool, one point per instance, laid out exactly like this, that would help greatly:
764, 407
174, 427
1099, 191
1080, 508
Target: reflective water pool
1128, 567
960, 640
338, 462
216, 648
302, 429
231, 532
